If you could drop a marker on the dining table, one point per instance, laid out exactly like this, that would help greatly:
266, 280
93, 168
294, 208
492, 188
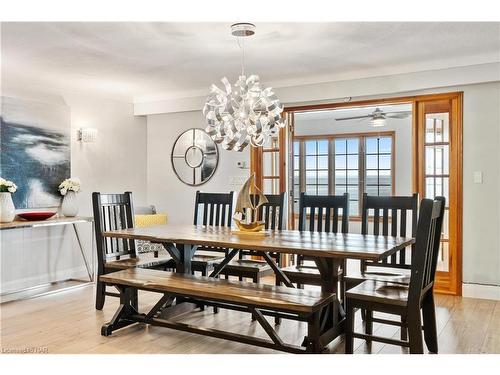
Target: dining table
329, 251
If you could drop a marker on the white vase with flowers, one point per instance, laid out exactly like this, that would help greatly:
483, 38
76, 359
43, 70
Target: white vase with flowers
68, 189
7, 209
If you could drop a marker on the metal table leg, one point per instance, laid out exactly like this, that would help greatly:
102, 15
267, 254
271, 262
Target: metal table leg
90, 273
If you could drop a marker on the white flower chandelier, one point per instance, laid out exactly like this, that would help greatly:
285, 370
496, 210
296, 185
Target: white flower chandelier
246, 113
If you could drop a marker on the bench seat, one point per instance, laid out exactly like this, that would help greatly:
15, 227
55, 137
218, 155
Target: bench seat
228, 291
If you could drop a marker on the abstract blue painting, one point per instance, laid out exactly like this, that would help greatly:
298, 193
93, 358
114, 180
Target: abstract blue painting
35, 150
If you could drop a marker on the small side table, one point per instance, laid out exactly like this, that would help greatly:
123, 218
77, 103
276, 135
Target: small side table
73, 221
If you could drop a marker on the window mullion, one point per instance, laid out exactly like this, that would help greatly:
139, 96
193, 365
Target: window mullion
302, 161
361, 172
331, 167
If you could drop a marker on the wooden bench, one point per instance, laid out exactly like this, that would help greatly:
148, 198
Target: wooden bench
257, 299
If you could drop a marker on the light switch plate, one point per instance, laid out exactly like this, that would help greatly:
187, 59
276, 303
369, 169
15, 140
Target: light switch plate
478, 177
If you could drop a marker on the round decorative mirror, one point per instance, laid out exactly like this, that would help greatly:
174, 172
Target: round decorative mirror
194, 157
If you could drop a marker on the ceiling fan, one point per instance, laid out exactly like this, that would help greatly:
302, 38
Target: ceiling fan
378, 116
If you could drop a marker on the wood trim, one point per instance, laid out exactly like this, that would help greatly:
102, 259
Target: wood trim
346, 135
256, 165
457, 109
282, 160
371, 102
415, 150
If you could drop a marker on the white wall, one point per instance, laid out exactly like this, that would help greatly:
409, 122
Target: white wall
481, 203
114, 163
336, 91
165, 190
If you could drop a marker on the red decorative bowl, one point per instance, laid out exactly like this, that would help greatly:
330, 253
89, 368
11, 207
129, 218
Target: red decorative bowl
33, 216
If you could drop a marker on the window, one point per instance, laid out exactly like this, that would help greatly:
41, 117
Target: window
346, 177
378, 165
338, 164
316, 168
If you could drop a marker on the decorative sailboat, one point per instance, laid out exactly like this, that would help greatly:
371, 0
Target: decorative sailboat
247, 207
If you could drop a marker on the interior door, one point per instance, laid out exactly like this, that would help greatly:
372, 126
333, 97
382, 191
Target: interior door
268, 164
439, 172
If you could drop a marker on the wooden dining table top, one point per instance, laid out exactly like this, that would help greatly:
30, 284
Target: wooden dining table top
314, 244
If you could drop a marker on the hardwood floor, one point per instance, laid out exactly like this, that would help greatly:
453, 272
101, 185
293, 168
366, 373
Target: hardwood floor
67, 322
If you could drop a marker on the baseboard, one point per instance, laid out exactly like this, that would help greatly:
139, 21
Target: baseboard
10, 286
481, 291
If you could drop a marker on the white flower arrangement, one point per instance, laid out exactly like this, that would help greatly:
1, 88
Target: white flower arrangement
69, 184
7, 186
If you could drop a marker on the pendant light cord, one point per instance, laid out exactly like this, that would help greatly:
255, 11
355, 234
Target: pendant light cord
241, 44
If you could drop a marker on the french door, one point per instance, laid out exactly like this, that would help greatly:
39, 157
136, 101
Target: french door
268, 164
438, 171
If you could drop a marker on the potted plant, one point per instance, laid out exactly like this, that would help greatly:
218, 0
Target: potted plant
7, 209
68, 189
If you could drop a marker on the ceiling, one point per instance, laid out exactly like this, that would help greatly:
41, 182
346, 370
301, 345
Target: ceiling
151, 61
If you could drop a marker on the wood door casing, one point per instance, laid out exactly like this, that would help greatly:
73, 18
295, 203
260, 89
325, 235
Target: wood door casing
450, 281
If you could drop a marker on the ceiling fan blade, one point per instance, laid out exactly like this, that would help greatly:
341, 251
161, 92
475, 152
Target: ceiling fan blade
398, 114
352, 118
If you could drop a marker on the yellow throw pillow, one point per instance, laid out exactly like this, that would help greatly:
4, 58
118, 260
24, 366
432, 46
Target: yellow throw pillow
142, 221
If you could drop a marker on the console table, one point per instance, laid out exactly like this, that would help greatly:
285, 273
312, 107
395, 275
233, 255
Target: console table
73, 221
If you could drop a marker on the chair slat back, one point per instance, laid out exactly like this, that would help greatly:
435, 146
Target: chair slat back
113, 212
272, 212
423, 270
324, 213
215, 209
389, 215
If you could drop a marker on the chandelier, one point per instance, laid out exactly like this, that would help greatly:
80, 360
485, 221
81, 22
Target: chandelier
245, 113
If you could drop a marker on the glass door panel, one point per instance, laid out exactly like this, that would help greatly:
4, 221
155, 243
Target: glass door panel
437, 166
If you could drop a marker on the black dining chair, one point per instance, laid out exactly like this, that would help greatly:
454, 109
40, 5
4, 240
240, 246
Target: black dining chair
115, 212
213, 209
318, 213
387, 216
407, 301
390, 213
